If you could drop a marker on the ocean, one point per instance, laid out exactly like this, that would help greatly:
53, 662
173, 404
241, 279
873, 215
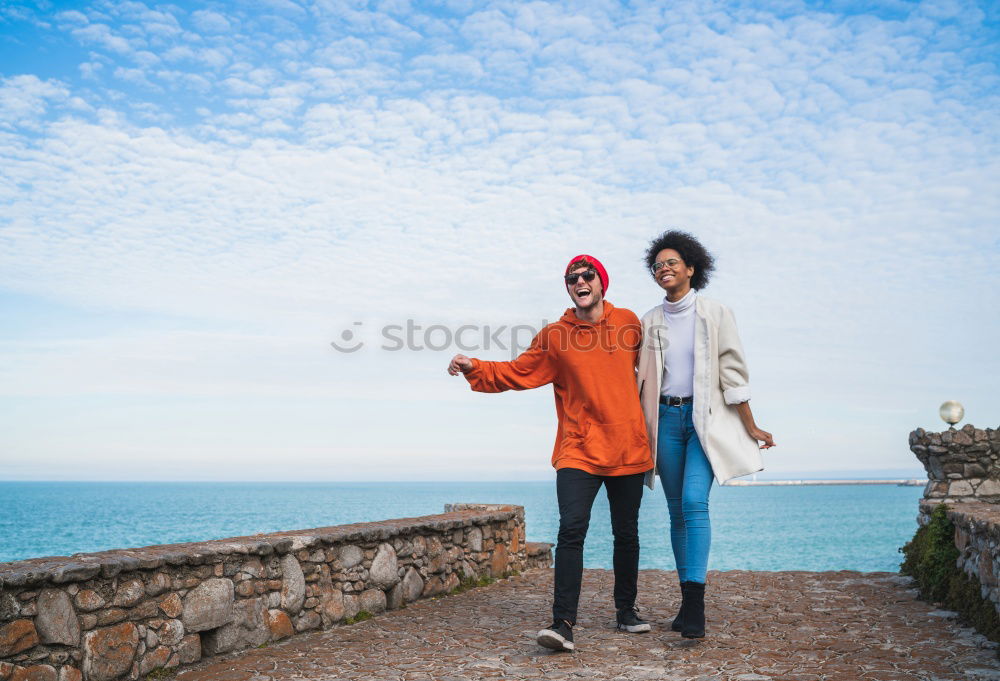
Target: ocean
844, 527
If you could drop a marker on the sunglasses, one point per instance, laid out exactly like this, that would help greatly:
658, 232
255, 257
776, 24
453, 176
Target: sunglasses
587, 276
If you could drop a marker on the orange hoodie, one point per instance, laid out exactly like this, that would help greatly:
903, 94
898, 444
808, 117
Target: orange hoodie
592, 371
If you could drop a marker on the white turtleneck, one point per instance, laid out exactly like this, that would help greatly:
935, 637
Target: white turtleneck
678, 365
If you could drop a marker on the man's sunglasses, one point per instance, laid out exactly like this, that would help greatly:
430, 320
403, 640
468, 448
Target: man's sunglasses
587, 276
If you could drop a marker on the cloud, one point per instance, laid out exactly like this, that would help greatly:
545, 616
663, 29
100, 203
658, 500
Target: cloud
208, 21
25, 100
251, 184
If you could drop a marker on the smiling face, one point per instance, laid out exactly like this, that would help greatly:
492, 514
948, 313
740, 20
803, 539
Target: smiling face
585, 294
673, 275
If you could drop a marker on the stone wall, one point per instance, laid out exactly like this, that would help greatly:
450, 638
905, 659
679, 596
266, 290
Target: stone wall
963, 471
977, 538
122, 614
962, 465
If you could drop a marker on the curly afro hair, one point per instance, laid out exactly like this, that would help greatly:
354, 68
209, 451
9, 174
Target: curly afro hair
692, 253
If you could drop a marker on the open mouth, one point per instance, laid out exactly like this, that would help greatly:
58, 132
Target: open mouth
581, 292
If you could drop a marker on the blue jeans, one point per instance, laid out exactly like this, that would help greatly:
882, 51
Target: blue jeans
686, 476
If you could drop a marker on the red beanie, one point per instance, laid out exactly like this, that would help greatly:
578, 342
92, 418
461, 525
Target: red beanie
601, 272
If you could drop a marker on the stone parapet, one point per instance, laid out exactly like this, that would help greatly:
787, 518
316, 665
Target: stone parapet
962, 465
122, 614
538, 555
977, 538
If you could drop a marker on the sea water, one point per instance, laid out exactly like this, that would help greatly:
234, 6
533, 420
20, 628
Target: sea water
843, 527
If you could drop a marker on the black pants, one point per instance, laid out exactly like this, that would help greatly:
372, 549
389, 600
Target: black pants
576, 491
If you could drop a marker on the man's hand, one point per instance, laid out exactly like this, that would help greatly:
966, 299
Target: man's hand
459, 364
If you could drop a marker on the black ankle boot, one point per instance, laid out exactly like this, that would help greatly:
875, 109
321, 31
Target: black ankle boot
693, 624
678, 623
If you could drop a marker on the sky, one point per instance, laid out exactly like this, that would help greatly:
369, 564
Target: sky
198, 200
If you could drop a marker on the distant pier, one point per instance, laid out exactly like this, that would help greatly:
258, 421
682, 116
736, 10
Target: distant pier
786, 483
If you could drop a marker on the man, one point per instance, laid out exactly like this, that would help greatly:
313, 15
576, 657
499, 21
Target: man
589, 356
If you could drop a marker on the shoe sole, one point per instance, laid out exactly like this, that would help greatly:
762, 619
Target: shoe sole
635, 628
687, 635
549, 639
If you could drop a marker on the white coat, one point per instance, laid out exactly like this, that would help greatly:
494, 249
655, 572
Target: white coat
721, 381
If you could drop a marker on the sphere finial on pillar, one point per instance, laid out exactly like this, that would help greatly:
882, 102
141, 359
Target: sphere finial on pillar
951, 412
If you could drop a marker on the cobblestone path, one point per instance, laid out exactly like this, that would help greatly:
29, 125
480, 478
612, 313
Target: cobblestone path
792, 626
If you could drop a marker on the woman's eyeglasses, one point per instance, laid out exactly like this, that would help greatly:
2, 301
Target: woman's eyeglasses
672, 263
587, 276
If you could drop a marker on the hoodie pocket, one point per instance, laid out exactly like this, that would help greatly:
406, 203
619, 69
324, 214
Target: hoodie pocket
611, 445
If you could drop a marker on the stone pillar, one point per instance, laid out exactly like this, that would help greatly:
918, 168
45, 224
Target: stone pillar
962, 465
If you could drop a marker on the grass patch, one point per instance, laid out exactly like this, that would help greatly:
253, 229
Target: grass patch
471, 583
930, 558
161, 673
360, 617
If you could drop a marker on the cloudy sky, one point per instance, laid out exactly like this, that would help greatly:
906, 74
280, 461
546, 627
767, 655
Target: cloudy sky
197, 198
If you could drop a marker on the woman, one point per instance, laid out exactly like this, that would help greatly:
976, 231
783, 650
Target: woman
694, 389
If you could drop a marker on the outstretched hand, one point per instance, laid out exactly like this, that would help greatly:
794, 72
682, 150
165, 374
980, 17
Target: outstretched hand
459, 364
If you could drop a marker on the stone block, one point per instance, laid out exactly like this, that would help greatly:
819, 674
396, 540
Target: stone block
17, 636
154, 659
433, 586
56, 621
394, 599
352, 605
350, 556
413, 585
209, 605
974, 470
247, 629
171, 632
144, 611
987, 577
9, 608
68, 673
498, 561
331, 604
373, 600
37, 672
157, 584
110, 616
189, 649
129, 593
988, 488
308, 621
474, 538
253, 568
279, 625
383, 572
108, 653
171, 606
960, 488
467, 570
293, 585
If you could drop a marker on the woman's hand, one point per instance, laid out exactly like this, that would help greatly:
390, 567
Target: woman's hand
762, 436
758, 434
459, 364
